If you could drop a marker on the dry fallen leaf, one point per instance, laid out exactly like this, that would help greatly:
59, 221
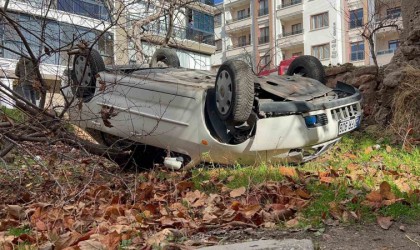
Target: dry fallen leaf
384, 222
292, 223
288, 171
388, 149
91, 245
16, 212
385, 190
237, 192
368, 150
374, 196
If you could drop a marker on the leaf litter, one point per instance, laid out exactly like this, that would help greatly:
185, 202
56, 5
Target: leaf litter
102, 208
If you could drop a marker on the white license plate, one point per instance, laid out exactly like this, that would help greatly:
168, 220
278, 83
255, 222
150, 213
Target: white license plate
348, 125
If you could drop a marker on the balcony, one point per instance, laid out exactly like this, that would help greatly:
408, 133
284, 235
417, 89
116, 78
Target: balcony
238, 49
288, 4
238, 24
182, 33
233, 3
395, 19
263, 40
291, 39
290, 10
296, 32
384, 56
238, 45
236, 19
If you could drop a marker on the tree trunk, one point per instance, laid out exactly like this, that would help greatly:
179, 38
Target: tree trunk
372, 52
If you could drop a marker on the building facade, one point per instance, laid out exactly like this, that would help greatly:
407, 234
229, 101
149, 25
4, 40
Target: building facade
50, 27
264, 32
192, 33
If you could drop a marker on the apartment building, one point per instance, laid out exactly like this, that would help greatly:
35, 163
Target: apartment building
52, 25
264, 32
245, 30
192, 35
372, 14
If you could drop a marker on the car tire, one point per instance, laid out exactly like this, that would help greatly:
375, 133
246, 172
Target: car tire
307, 66
234, 91
85, 68
166, 56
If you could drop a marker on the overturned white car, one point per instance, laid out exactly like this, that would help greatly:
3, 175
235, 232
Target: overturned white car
198, 116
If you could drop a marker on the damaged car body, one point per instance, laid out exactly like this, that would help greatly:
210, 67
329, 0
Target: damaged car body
198, 116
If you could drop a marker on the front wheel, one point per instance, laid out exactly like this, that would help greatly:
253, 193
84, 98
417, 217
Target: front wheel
234, 91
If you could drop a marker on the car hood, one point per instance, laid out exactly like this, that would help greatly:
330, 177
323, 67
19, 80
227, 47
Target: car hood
293, 88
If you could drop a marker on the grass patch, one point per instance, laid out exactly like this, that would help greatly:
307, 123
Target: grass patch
18, 231
235, 177
14, 114
362, 162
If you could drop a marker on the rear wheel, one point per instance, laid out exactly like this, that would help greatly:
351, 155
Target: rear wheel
165, 57
234, 91
307, 66
85, 68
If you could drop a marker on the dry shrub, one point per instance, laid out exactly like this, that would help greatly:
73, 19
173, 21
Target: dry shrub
406, 107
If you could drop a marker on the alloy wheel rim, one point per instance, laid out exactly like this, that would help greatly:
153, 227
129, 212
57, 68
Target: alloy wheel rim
81, 66
224, 92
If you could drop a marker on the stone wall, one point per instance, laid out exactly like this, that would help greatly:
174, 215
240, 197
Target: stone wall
362, 78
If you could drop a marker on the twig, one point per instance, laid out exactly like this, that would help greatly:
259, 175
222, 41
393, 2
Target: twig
408, 237
6, 149
38, 161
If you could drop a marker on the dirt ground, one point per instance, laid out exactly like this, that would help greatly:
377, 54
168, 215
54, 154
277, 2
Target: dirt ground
339, 237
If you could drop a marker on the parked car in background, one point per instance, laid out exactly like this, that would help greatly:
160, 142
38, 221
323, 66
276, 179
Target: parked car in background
194, 116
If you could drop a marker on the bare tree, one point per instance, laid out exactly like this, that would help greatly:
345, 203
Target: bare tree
44, 40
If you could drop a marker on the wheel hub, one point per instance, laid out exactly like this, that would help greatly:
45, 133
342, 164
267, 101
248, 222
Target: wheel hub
83, 71
224, 92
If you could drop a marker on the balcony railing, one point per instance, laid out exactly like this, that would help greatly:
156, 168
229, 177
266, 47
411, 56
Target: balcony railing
183, 33
295, 32
291, 3
384, 52
263, 12
239, 45
208, 2
263, 39
238, 18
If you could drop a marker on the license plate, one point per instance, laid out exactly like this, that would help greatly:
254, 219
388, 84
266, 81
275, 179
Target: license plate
348, 125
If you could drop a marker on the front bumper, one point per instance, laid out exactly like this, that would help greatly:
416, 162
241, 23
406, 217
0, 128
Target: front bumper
285, 107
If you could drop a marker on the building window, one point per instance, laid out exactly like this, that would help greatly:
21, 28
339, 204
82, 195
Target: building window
217, 20
265, 62
393, 13
264, 35
393, 45
357, 51
319, 21
322, 51
242, 41
297, 28
89, 8
263, 8
242, 14
218, 44
356, 18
